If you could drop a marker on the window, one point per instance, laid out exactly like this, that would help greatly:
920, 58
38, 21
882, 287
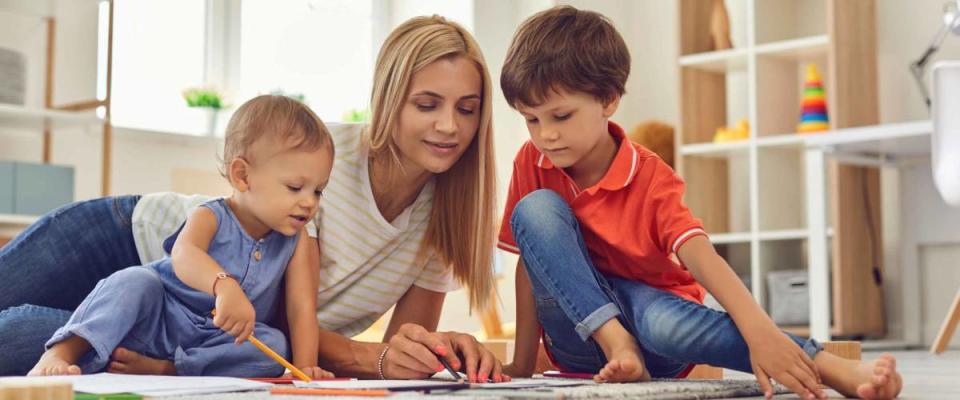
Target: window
323, 50
159, 49
320, 49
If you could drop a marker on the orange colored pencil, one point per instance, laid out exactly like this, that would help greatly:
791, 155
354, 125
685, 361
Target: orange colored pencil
330, 392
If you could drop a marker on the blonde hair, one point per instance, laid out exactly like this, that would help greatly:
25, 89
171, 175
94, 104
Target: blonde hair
276, 117
462, 220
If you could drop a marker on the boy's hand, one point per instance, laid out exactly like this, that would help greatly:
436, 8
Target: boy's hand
774, 355
234, 313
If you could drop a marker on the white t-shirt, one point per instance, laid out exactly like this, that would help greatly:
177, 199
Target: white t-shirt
367, 263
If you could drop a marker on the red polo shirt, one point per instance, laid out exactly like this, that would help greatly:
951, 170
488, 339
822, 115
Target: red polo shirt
633, 221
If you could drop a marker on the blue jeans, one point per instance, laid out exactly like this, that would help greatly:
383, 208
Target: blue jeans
49, 268
574, 299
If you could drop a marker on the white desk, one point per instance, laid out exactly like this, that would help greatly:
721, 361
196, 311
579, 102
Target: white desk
888, 145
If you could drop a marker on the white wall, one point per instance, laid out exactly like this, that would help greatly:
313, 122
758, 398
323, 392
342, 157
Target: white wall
926, 224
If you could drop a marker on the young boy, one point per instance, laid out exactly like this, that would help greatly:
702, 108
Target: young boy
237, 254
612, 261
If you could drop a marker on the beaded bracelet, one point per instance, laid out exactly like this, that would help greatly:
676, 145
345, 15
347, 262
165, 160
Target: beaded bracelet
383, 355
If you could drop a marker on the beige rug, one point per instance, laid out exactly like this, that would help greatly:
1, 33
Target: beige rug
661, 389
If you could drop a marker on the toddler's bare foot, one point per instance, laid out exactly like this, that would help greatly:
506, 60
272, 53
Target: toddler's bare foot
61, 358
124, 361
52, 363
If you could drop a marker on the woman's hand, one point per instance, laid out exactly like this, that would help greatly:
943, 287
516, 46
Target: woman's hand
234, 313
414, 352
511, 370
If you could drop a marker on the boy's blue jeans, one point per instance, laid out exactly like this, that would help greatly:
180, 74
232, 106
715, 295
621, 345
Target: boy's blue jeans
49, 268
573, 300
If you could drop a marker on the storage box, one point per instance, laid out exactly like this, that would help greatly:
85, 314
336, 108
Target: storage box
789, 297
12, 76
34, 189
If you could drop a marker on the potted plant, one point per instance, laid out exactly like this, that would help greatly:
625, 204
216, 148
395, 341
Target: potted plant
207, 99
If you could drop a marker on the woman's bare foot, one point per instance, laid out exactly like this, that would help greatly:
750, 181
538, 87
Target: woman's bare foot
61, 358
123, 361
875, 380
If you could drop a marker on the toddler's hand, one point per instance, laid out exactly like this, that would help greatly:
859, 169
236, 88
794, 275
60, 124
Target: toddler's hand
234, 313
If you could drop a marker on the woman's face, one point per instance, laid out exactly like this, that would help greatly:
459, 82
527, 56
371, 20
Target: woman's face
440, 115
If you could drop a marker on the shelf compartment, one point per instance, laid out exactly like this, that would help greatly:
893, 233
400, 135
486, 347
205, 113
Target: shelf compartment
694, 21
711, 100
780, 94
718, 192
782, 199
781, 20
778, 255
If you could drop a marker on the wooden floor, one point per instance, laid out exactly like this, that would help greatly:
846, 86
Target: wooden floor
925, 376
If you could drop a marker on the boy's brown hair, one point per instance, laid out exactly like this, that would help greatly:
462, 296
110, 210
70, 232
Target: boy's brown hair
565, 48
278, 116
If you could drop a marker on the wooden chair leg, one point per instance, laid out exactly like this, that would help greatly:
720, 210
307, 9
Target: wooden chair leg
948, 327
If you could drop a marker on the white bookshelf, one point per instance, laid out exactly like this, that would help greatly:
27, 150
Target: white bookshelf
751, 195
47, 120
35, 119
717, 61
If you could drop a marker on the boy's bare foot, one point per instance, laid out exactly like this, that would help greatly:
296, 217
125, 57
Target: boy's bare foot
879, 379
875, 380
60, 359
624, 361
625, 366
123, 361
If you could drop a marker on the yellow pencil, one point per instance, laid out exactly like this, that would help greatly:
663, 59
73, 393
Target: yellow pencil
276, 357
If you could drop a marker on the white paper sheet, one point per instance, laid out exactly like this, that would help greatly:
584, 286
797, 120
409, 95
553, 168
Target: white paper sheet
373, 384
442, 380
152, 385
